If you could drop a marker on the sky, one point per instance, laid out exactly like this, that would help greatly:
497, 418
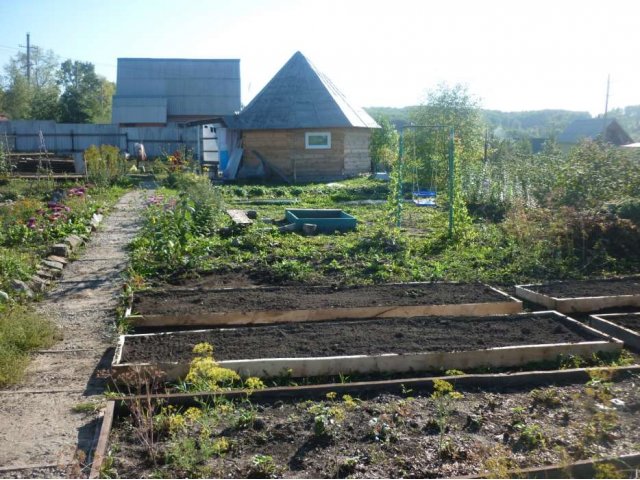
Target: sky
512, 55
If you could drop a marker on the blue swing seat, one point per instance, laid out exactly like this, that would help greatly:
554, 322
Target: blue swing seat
425, 198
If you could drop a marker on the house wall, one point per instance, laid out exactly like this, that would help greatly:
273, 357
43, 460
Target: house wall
285, 149
356, 152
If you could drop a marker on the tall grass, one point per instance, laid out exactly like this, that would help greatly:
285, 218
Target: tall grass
21, 331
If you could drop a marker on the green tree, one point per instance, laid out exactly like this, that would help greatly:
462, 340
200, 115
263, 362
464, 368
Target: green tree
36, 96
17, 96
383, 146
87, 96
451, 107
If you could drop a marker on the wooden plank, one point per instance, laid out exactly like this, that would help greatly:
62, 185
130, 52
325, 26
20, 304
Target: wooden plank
510, 356
578, 304
606, 323
260, 317
581, 469
103, 440
239, 217
494, 380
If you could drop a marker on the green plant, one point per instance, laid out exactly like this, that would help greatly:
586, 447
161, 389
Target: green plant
607, 470
21, 331
443, 398
546, 396
204, 372
531, 436
104, 164
263, 466
107, 468
88, 408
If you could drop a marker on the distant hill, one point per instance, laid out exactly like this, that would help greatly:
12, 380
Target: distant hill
536, 123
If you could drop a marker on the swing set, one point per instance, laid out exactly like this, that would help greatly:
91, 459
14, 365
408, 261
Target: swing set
426, 197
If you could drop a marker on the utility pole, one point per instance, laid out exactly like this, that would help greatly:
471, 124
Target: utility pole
606, 103
606, 106
28, 47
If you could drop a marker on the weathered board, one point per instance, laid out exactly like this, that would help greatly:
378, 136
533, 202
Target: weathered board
239, 217
575, 305
509, 356
607, 323
258, 317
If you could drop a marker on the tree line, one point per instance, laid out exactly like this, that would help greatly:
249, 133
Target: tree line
44, 88
526, 124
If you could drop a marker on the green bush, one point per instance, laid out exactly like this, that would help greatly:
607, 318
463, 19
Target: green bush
104, 164
21, 331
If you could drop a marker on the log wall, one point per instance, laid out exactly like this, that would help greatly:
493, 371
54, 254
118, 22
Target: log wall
285, 149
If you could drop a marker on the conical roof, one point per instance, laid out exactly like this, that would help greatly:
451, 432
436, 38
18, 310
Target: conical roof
300, 96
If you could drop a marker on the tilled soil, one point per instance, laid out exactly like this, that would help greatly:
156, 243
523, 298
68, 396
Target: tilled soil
590, 288
630, 321
356, 337
174, 301
395, 436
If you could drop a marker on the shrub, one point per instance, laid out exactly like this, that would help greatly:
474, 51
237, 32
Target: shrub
21, 331
104, 164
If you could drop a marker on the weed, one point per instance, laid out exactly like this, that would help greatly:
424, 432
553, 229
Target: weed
143, 408
88, 408
453, 372
499, 464
443, 397
547, 397
349, 402
107, 468
607, 470
531, 436
21, 331
245, 418
263, 466
346, 467
204, 372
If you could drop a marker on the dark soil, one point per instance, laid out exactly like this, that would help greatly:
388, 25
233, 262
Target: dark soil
217, 280
395, 436
590, 288
356, 337
174, 301
630, 321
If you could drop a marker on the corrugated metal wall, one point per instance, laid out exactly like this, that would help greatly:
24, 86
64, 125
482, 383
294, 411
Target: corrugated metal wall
65, 138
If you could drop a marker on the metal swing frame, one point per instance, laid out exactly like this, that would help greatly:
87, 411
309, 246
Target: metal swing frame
451, 155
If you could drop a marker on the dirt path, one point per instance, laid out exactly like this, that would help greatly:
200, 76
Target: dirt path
39, 432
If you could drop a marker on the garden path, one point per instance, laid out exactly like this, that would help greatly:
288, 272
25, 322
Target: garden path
39, 432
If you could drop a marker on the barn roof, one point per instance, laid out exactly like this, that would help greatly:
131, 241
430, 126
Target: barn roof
586, 128
300, 96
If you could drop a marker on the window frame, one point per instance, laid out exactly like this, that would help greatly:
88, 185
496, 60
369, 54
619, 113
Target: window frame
307, 146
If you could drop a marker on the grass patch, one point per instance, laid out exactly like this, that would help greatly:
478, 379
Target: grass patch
21, 331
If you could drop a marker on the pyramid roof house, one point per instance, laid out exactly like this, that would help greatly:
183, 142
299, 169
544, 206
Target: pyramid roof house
300, 127
300, 96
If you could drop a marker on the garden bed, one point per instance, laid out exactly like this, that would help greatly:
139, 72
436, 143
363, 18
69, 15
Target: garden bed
256, 305
385, 434
624, 326
584, 296
368, 346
